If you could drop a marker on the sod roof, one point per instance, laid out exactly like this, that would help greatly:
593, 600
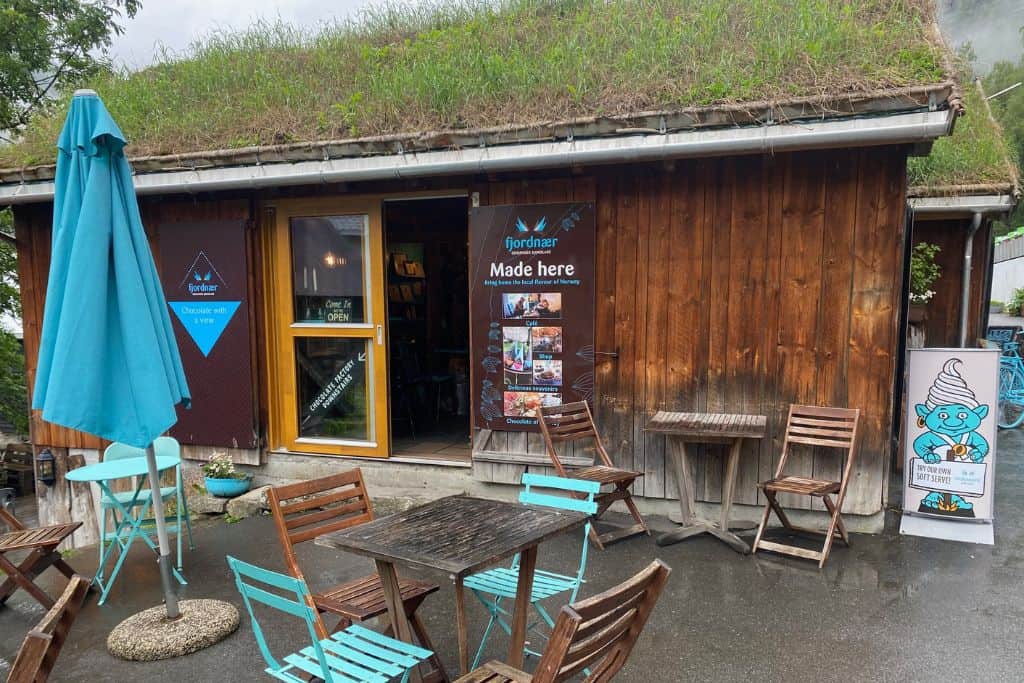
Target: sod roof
975, 160
425, 70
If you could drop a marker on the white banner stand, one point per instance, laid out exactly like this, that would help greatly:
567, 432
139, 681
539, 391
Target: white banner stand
950, 449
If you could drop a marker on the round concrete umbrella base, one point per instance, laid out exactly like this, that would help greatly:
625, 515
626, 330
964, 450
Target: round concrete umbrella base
149, 636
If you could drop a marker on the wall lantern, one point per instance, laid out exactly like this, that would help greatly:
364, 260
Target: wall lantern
45, 469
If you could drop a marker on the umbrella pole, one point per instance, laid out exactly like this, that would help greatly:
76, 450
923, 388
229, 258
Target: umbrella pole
170, 599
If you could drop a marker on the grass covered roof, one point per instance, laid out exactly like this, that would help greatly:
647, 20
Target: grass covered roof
464, 65
976, 159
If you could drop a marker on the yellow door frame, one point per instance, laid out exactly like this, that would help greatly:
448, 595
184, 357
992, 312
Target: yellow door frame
283, 330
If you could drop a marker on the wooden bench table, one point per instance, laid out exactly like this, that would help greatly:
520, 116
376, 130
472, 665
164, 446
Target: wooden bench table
459, 535
715, 428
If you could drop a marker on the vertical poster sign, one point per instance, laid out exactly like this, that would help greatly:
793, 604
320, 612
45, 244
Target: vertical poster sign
949, 469
532, 310
205, 276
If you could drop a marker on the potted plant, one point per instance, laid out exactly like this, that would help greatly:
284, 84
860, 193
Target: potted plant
222, 479
923, 274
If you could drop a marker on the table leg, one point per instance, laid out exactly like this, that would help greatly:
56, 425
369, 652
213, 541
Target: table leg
460, 624
729, 482
393, 599
524, 589
684, 479
691, 526
125, 521
728, 487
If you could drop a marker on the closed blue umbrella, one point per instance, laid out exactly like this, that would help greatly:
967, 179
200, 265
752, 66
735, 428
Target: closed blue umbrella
108, 362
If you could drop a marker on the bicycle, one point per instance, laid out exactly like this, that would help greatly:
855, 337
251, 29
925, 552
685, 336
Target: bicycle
1011, 387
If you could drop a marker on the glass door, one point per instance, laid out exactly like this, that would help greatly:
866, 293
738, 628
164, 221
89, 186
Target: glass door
328, 370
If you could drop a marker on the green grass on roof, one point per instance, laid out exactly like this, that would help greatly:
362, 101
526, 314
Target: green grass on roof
405, 69
976, 153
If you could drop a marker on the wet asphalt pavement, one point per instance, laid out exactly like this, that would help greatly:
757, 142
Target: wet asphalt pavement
890, 608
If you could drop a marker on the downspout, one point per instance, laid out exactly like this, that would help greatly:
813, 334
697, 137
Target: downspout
965, 288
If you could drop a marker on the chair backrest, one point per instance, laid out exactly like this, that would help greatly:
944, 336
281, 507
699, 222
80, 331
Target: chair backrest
162, 445
822, 427
599, 633
42, 645
569, 422
309, 509
12, 522
535, 493
283, 593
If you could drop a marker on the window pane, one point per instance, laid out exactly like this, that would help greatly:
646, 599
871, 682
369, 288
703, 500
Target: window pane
327, 269
333, 398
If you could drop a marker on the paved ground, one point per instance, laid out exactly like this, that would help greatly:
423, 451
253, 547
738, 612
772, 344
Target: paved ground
1002, 319
889, 609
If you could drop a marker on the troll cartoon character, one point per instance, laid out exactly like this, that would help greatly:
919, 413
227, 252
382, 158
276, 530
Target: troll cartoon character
951, 414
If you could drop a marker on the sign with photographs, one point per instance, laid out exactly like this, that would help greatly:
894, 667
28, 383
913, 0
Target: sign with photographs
950, 441
532, 310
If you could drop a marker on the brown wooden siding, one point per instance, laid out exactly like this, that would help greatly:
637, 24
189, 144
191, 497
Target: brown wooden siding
742, 285
739, 284
33, 225
942, 328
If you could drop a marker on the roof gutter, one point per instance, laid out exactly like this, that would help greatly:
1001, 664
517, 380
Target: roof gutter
961, 205
906, 128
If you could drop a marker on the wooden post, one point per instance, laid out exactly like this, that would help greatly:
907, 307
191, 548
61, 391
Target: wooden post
393, 600
65, 501
524, 589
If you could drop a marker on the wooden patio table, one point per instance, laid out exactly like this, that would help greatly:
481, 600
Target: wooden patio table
719, 428
459, 535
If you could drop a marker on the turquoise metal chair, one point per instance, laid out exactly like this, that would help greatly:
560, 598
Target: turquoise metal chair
493, 586
163, 445
355, 654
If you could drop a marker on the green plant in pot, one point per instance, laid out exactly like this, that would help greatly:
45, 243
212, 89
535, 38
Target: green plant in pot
222, 479
923, 274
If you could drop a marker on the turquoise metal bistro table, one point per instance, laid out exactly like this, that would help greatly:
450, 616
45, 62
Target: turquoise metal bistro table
103, 473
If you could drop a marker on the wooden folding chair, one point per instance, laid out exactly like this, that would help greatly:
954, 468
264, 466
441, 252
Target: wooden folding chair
39, 650
309, 509
819, 427
42, 543
572, 422
596, 634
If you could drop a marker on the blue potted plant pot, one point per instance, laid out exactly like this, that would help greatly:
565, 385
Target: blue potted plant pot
227, 488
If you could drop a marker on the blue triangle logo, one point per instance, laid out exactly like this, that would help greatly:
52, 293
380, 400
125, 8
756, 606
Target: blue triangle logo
204, 320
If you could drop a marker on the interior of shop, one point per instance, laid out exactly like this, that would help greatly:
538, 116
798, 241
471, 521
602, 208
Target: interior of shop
426, 247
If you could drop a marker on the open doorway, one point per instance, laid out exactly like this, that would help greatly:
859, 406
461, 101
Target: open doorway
426, 248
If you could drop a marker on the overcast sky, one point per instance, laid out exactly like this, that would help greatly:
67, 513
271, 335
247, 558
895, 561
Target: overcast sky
175, 23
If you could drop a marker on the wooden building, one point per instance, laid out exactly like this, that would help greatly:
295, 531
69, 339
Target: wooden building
954, 197
745, 258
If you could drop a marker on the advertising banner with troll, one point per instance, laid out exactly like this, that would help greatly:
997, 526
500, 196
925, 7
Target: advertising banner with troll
950, 443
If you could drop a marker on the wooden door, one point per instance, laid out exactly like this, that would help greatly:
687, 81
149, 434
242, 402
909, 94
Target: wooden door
327, 360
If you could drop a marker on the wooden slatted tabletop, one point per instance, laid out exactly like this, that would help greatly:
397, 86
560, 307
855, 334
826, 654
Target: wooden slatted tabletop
708, 424
458, 534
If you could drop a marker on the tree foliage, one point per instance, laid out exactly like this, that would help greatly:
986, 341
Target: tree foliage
1009, 110
13, 390
49, 45
46, 46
